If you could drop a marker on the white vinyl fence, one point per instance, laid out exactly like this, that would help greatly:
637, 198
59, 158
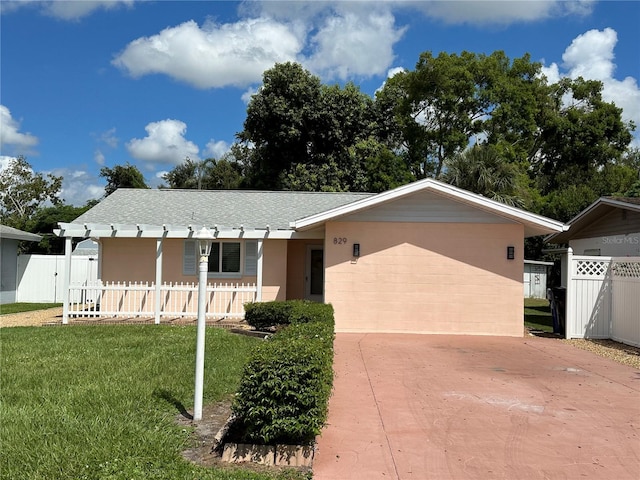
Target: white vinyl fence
603, 298
41, 277
177, 300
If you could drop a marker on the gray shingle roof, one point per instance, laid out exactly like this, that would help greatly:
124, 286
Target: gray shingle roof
15, 234
225, 208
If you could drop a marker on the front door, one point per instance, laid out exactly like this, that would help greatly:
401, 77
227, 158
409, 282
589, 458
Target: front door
314, 274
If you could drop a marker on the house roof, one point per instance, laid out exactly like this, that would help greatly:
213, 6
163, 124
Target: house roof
595, 212
15, 234
140, 210
533, 224
257, 214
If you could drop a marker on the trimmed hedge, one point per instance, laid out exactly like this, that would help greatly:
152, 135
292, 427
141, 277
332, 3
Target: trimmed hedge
284, 391
266, 315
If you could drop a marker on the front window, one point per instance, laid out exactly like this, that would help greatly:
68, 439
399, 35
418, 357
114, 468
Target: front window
224, 257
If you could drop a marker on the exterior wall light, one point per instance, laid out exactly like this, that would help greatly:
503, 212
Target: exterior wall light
511, 253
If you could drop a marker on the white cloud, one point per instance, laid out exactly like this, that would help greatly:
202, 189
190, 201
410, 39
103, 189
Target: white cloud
336, 40
499, 11
214, 55
10, 134
5, 160
246, 96
164, 143
98, 157
65, 10
392, 72
216, 149
78, 186
591, 56
108, 137
355, 44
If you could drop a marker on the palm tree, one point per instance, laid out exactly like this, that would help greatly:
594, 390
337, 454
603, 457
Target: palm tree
480, 169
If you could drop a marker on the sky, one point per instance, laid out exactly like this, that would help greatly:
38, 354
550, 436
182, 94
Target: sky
89, 84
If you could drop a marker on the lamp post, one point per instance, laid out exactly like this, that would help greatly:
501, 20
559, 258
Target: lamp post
204, 239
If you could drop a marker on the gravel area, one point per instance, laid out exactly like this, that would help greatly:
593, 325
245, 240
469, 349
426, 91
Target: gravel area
618, 352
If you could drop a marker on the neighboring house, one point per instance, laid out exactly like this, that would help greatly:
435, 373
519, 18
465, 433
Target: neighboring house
610, 226
9, 240
425, 257
601, 271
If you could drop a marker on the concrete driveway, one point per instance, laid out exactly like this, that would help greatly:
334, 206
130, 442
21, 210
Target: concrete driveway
469, 407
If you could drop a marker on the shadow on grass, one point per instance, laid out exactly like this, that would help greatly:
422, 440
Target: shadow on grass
167, 396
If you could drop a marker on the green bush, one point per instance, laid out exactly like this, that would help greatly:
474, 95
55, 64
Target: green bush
265, 315
285, 388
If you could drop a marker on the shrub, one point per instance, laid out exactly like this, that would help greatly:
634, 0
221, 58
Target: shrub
284, 391
265, 315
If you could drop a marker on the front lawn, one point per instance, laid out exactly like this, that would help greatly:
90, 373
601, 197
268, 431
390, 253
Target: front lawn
537, 314
100, 402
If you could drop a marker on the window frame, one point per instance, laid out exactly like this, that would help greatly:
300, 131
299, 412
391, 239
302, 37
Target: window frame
248, 258
220, 274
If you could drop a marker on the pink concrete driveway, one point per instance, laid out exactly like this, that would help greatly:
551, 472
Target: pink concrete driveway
465, 407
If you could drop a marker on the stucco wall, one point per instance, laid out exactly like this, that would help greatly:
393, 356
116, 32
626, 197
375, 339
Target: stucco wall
274, 277
425, 277
134, 260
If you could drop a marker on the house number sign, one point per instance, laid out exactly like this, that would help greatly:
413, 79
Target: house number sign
339, 240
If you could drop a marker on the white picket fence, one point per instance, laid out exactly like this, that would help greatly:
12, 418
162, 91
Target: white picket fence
177, 300
603, 298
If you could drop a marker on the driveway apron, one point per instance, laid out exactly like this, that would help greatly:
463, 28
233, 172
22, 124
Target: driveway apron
472, 407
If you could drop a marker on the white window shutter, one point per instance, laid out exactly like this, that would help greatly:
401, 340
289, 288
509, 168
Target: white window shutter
251, 257
189, 258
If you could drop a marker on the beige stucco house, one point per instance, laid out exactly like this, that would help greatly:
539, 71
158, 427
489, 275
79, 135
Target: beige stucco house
422, 258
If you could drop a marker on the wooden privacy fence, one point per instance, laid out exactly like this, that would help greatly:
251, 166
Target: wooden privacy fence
177, 300
603, 298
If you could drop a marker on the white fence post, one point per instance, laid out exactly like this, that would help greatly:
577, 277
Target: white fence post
570, 307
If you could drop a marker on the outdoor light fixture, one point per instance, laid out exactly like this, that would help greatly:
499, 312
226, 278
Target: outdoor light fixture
356, 249
204, 239
511, 253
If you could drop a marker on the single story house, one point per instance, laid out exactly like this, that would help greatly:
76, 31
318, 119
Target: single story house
9, 239
601, 271
426, 257
609, 227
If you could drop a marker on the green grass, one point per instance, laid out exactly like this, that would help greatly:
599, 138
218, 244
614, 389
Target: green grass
25, 307
100, 402
537, 314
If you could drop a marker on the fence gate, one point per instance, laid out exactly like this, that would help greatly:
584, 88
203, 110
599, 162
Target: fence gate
41, 277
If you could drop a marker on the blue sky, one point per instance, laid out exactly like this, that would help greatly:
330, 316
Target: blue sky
86, 84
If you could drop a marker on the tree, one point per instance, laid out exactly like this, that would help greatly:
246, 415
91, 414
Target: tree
122, 176
209, 174
45, 220
23, 192
297, 128
482, 170
579, 136
451, 98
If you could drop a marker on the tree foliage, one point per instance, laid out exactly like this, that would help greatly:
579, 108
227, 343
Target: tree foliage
299, 133
23, 192
209, 174
45, 220
482, 170
122, 176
